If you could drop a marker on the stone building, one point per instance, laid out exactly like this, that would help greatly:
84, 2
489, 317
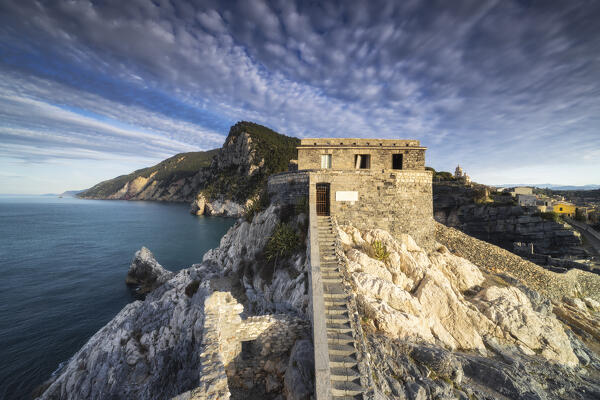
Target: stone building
461, 176
369, 183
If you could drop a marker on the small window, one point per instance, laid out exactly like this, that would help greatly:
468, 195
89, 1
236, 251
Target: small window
326, 161
396, 161
362, 161
560, 209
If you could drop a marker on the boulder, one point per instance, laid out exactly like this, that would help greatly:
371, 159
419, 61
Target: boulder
146, 272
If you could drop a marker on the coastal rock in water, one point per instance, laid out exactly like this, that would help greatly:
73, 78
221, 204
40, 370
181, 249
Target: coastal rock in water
146, 272
226, 208
198, 205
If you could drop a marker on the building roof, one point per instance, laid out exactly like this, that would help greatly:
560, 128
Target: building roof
360, 143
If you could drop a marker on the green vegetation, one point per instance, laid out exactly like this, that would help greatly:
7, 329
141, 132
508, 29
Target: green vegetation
274, 148
261, 202
179, 166
283, 242
380, 251
440, 176
550, 216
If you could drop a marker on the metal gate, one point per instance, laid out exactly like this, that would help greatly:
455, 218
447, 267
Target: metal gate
322, 198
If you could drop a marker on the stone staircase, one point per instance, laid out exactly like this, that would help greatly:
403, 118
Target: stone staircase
343, 363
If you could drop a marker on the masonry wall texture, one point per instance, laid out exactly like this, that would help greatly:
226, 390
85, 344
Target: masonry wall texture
397, 201
288, 187
343, 153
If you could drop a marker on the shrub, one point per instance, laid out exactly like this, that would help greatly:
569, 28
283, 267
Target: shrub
253, 208
549, 216
282, 243
380, 251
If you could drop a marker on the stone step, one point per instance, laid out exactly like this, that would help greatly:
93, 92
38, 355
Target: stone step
344, 374
342, 349
340, 338
346, 388
337, 318
340, 361
337, 325
335, 302
357, 397
334, 288
338, 330
333, 279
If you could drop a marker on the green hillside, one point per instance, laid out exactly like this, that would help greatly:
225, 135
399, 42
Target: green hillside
179, 166
274, 148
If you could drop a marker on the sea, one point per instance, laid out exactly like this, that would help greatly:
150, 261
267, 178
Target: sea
63, 263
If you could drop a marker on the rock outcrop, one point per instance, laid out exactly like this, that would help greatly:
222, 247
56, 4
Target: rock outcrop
502, 225
145, 272
438, 298
439, 326
153, 348
216, 182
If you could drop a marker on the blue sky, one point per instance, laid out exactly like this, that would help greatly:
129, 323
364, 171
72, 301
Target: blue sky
90, 90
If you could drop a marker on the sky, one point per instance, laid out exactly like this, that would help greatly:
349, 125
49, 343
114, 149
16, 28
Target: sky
90, 90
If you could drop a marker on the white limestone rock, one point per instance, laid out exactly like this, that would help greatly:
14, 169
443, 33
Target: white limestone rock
420, 297
511, 309
146, 272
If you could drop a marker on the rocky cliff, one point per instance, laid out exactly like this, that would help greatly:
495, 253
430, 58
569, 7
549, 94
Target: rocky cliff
439, 326
174, 179
501, 224
152, 349
216, 182
465, 320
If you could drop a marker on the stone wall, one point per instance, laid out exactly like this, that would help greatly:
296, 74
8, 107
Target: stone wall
343, 153
397, 201
288, 187
223, 334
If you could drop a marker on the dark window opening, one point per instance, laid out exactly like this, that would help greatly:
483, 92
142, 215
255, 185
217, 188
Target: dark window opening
362, 161
397, 161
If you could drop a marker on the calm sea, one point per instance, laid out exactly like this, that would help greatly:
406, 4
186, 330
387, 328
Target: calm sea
62, 271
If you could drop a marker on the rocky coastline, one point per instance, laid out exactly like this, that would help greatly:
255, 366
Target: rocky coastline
467, 320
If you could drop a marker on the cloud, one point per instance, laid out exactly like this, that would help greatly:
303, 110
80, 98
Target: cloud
490, 83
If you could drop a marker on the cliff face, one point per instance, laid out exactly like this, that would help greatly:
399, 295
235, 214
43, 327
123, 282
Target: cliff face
464, 320
174, 179
501, 225
153, 348
216, 182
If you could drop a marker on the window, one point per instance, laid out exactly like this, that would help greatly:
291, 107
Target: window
560, 209
325, 161
397, 161
362, 161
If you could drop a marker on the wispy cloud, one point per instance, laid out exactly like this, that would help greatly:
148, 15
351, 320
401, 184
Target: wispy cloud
488, 84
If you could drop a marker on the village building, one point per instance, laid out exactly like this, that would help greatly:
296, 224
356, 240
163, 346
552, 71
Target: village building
527, 200
461, 176
521, 190
564, 208
369, 183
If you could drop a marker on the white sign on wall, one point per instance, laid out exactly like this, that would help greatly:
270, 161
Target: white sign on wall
346, 196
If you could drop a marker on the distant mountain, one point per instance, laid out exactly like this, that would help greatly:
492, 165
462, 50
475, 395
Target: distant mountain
72, 193
551, 186
229, 175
